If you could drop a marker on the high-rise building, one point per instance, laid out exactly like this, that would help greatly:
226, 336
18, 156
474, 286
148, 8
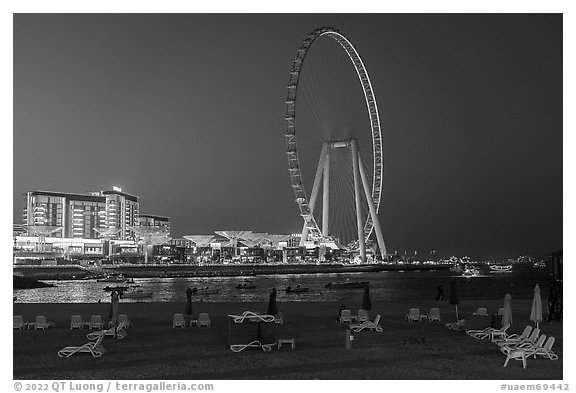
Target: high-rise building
82, 215
122, 211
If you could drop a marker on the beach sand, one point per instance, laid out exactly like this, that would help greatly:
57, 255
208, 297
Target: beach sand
154, 350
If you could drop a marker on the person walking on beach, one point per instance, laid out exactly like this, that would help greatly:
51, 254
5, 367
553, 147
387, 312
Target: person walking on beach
440, 295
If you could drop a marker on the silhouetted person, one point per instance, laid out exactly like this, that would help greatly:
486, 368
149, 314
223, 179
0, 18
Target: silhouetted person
440, 295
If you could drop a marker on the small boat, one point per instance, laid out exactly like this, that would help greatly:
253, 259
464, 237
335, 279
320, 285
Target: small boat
470, 271
136, 294
112, 278
539, 265
500, 268
245, 285
337, 285
296, 289
119, 289
205, 291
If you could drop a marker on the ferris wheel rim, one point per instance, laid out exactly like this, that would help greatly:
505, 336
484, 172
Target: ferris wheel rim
290, 128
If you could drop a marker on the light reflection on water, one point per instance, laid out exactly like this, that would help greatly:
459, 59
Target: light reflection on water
391, 286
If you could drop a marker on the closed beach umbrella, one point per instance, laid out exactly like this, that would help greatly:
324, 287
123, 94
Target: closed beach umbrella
272, 307
507, 313
366, 303
115, 300
536, 313
454, 299
188, 302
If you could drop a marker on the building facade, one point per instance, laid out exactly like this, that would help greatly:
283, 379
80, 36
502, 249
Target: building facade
82, 215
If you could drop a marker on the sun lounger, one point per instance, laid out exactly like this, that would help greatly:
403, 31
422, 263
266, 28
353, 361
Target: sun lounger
18, 322
345, 316
178, 321
118, 333
481, 311
413, 315
40, 322
362, 315
121, 318
514, 338
368, 325
203, 320
76, 322
251, 316
253, 344
506, 349
93, 347
434, 314
457, 326
489, 332
531, 339
523, 351
96, 322
279, 319
546, 350
499, 334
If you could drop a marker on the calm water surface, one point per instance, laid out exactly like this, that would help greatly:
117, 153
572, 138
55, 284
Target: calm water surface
393, 286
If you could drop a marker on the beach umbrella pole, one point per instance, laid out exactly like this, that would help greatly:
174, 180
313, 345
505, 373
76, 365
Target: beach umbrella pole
456, 312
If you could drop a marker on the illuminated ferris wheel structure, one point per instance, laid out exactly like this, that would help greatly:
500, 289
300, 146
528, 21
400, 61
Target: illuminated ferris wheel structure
363, 191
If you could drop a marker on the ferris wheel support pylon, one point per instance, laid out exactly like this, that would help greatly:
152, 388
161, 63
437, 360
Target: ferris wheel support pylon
373, 212
315, 189
359, 222
326, 195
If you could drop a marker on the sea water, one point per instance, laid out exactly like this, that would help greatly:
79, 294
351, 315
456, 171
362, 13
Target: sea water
391, 286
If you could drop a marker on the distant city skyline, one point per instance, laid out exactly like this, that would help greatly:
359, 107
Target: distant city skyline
187, 112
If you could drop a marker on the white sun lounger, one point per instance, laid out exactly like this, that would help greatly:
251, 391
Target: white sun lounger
368, 325
523, 351
93, 347
434, 314
178, 321
250, 315
203, 320
18, 322
119, 332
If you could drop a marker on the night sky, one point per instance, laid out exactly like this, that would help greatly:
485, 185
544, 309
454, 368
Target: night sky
187, 112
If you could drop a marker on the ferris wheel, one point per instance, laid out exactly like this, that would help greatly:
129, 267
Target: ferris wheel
331, 103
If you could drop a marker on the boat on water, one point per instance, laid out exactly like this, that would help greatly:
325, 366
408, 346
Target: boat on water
456, 269
206, 291
337, 285
470, 271
296, 289
539, 265
136, 294
500, 268
246, 285
113, 278
108, 288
